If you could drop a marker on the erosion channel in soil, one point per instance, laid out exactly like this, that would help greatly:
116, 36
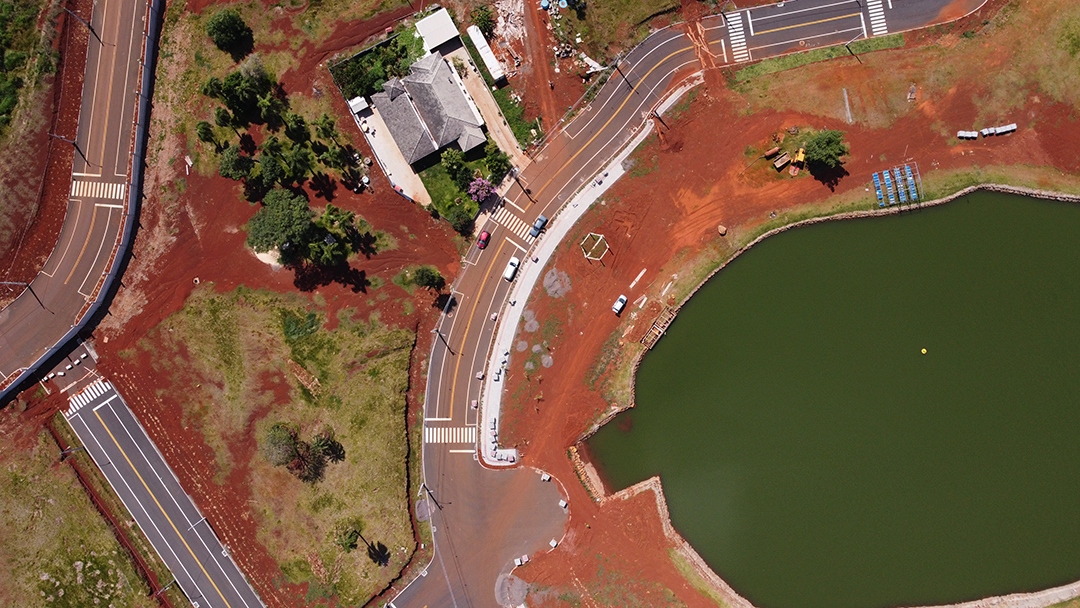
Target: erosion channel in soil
815, 457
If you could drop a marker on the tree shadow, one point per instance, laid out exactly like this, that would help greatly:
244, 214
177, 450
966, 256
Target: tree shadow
309, 277
245, 43
247, 144
323, 185
445, 301
828, 176
378, 553
363, 243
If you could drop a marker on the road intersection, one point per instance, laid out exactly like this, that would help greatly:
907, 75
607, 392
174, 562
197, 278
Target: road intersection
484, 488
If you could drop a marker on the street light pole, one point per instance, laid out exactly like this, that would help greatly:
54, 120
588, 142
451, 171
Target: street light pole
447, 345
28, 288
88, 26
77, 149
847, 45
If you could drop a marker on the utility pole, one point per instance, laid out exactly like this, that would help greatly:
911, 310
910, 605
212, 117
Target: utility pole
528, 193
165, 588
658, 117
88, 26
619, 70
77, 149
69, 452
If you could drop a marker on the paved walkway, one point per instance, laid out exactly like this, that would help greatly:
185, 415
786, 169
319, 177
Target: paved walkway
489, 109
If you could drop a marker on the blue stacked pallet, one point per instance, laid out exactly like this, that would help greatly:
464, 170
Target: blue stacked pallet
911, 183
877, 190
900, 186
888, 187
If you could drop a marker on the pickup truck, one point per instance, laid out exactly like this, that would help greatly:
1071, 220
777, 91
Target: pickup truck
538, 226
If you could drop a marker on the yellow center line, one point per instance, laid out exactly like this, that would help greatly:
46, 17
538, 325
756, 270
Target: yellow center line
613, 115
117, 444
461, 351
89, 233
788, 27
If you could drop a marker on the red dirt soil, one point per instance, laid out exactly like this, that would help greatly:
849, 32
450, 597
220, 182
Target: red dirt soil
199, 235
46, 162
695, 187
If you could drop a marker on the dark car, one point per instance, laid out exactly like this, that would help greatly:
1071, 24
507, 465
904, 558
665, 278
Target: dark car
538, 227
482, 242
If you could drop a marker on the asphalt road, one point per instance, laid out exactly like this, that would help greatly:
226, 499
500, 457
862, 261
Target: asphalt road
172, 523
493, 513
41, 316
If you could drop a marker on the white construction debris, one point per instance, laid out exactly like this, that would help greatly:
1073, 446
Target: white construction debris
510, 24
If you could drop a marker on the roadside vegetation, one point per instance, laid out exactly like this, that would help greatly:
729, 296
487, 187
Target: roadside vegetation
326, 409
608, 27
26, 53
458, 185
794, 60
509, 101
365, 72
57, 549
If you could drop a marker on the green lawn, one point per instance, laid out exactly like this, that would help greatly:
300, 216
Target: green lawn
242, 348
444, 190
57, 550
787, 62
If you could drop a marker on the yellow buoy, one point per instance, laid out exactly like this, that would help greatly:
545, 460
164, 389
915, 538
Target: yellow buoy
924, 351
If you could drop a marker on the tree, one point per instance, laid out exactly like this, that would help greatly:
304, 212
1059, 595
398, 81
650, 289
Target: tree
296, 128
284, 218
453, 160
279, 444
324, 128
498, 163
480, 189
229, 33
205, 132
300, 163
428, 278
222, 118
460, 219
483, 19
270, 169
212, 87
234, 165
825, 149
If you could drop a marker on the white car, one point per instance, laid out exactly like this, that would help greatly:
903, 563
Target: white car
511, 269
619, 305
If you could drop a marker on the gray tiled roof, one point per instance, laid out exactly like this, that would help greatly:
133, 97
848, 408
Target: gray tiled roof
432, 113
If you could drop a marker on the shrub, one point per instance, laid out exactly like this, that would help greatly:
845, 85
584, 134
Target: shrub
483, 19
279, 444
284, 218
229, 33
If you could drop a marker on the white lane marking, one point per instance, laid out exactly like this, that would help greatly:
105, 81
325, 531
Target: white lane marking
449, 434
723, 47
461, 451
788, 42
803, 10
862, 21
750, 21
93, 264
522, 249
877, 17
75, 174
106, 402
108, 206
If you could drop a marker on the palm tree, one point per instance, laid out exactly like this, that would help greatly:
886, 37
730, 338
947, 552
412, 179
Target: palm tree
205, 132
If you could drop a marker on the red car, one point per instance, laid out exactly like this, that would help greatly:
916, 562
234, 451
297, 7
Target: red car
483, 240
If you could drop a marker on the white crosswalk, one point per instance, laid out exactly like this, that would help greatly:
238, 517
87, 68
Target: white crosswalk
85, 189
513, 223
449, 434
738, 38
88, 394
877, 17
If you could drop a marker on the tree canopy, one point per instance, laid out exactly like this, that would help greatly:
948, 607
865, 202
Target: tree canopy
234, 165
483, 19
229, 33
428, 278
284, 218
825, 149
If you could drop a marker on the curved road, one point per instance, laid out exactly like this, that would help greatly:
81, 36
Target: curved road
488, 513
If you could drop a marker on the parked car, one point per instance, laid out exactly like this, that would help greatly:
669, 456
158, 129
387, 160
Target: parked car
482, 242
538, 226
511, 269
619, 305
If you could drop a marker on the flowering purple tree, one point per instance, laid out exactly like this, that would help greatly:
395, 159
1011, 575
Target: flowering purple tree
480, 189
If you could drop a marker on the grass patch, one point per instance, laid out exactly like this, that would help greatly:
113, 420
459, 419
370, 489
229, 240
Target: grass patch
607, 26
60, 552
686, 569
509, 105
444, 191
788, 62
352, 380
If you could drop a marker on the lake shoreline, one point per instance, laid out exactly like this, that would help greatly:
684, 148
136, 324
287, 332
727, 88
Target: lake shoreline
593, 479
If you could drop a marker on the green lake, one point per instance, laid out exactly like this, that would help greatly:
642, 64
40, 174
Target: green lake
817, 459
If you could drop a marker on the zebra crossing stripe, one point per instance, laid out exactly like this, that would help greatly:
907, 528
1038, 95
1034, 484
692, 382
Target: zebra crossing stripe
450, 434
512, 223
738, 38
85, 189
877, 17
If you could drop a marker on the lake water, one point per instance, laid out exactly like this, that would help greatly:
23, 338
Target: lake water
816, 459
